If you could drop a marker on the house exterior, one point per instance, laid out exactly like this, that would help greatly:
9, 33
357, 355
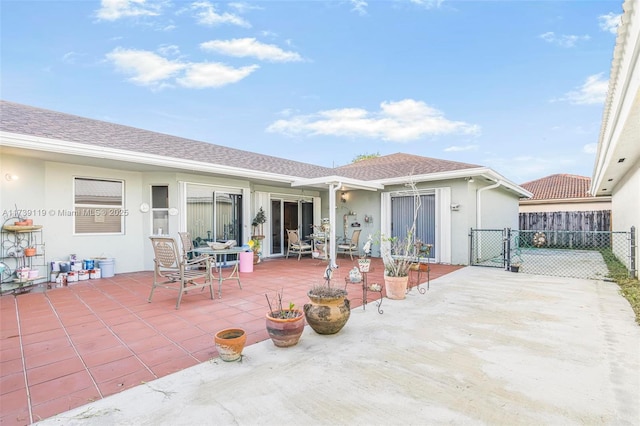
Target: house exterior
101, 190
617, 168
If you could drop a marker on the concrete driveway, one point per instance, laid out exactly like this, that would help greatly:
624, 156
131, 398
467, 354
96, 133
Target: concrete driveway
482, 346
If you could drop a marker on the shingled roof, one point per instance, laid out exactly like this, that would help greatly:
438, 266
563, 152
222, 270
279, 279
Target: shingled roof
398, 165
559, 186
38, 122
27, 120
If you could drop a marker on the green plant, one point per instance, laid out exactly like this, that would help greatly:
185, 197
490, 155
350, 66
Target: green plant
326, 290
280, 312
258, 220
629, 287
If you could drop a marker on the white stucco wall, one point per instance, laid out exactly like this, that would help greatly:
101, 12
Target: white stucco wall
626, 201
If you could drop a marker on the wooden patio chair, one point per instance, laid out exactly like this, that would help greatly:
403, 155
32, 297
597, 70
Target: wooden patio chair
350, 246
173, 271
296, 245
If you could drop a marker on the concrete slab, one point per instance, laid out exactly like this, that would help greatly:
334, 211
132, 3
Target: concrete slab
482, 346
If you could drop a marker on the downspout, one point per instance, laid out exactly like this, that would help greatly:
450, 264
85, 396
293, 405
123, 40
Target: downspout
333, 188
479, 202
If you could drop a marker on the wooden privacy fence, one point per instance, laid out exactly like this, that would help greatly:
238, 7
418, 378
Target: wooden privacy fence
596, 220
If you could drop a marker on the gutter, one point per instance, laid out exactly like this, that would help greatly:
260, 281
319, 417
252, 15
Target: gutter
479, 202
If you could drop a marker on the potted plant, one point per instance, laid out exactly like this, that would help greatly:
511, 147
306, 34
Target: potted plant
284, 325
329, 309
255, 246
399, 254
259, 219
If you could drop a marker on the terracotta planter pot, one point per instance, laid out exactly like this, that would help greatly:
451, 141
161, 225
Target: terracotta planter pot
396, 287
285, 332
30, 251
327, 315
230, 343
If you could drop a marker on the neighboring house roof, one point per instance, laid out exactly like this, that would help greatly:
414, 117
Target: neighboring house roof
48, 131
559, 186
619, 142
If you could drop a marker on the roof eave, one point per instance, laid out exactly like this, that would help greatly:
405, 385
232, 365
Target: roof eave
84, 150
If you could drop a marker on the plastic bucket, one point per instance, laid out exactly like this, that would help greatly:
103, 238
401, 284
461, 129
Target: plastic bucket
246, 261
88, 264
107, 267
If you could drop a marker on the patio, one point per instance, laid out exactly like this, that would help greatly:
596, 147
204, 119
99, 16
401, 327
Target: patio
66, 347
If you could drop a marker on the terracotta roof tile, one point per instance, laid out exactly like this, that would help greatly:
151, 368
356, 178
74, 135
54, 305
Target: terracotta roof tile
559, 186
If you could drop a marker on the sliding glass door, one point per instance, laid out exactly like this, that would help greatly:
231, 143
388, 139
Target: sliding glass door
213, 214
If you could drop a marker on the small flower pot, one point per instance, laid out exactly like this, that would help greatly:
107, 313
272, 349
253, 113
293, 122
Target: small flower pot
515, 268
230, 343
30, 251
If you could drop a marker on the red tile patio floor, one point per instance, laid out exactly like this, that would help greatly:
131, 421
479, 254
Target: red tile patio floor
66, 347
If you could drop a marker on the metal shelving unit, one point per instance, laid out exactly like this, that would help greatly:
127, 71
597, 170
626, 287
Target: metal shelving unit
14, 240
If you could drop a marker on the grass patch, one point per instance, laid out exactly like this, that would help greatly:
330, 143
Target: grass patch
629, 287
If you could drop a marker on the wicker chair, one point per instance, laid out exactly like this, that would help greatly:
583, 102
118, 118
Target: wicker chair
297, 246
174, 272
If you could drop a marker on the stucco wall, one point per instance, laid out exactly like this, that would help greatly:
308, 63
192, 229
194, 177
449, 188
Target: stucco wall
626, 201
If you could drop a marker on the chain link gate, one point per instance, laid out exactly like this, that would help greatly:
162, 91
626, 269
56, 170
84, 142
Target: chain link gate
576, 254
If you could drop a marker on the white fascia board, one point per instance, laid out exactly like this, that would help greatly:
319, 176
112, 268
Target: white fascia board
349, 183
74, 148
478, 172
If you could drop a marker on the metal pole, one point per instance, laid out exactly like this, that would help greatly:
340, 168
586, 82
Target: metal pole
634, 247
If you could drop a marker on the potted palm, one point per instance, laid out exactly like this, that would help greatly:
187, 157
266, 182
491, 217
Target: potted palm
329, 309
284, 325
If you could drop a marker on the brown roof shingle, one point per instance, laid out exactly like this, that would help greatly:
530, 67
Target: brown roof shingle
559, 186
398, 165
32, 121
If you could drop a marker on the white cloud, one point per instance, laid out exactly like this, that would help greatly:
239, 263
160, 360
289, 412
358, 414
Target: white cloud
359, 6
401, 121
152, 70
590, 148
206, 15
242, 7
169, 50
250, 47
429, 4
562, 40
593, 91
461, 148
203, 75
147, 68
610, 22
112, 10
69, 57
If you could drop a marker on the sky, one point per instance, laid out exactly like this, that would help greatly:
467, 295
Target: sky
516, 86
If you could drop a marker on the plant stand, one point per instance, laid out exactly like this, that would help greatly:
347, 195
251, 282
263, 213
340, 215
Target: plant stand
366, 288
419, 268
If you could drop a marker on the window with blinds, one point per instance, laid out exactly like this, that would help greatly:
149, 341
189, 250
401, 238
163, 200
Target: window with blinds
98, 206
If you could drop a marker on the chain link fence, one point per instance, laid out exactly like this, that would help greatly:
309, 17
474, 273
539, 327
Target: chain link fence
577, 254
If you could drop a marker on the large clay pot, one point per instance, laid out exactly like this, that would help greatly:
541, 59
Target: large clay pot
285, 332
230, 343
396, 287
327, 315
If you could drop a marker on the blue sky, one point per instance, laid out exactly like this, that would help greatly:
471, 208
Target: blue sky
517, 86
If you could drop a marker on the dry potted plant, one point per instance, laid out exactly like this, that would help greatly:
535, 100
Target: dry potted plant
399, 253
329, 309
257, 222
284, 325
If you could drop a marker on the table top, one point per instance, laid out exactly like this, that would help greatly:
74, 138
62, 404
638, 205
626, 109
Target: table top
209, 250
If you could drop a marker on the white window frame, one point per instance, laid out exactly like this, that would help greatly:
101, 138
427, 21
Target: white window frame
99, 212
